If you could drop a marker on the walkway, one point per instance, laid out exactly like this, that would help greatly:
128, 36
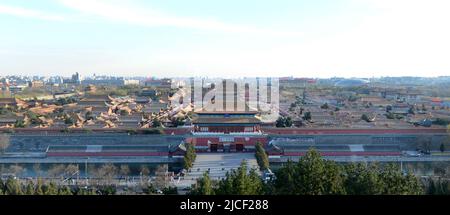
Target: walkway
218, 164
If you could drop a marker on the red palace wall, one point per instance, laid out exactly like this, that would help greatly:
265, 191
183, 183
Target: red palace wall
239, 143
247, 141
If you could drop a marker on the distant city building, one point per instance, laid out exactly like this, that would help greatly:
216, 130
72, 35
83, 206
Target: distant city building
164, 83
17, 88
75, 80
291, 81
400, 108
149, 93
104, 81
351, 83
56, 80
8, 102
36, 84
131, 82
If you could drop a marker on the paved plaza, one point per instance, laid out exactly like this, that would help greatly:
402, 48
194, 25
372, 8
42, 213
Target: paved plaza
217, 164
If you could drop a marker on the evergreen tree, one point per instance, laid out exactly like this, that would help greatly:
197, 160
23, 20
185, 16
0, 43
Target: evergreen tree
395, 183
65, 191
13, 187
261, 156
50, 189
29, 190
204, 186
239, 182
2, 187
307, 116
189, 157
39, 190
317, 177
362, 180
285, 179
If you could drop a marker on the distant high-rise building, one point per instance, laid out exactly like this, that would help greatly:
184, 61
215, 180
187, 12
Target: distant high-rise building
76, 80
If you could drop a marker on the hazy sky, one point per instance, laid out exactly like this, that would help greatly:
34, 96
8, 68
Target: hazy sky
320, 38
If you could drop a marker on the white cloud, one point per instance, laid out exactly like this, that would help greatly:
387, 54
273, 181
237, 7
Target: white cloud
22, 12
127, 13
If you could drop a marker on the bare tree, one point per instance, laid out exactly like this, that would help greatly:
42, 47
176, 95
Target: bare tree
71, 169
56, 170
37, 169
124, 171
161, 177
4, 143
144, 173
107, 172
424, 143
16, 169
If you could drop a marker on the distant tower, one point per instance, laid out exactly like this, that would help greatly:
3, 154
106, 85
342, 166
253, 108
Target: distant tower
76, 78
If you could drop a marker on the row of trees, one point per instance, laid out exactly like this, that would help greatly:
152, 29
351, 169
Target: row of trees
313, 175
14, 187
104, 174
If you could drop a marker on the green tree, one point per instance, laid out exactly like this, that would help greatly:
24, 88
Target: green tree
261, 156
178, 121
283, 122
29, 190
170, 191
19, 124
65, 191
442, 147
108, 190
311, 176
189, 156
285, 178
395, 183
204, 186
365, 117
69, 121
362, 180
239, 182
13, 187
280, 123
50, 189
307, 116
156, 123
150, 189
288, 122
89, 115
39, 187
2, 187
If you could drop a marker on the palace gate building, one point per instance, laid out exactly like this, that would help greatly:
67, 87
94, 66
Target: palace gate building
226, 131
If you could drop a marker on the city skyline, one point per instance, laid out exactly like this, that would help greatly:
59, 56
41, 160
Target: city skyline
253, 38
